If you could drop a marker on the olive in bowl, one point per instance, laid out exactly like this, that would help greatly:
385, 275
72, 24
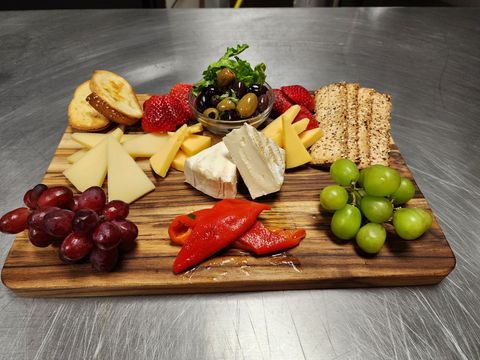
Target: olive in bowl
232, 111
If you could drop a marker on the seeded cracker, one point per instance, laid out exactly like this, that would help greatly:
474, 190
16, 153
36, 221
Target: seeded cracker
331, 113
379, 129
365, 99
352, 122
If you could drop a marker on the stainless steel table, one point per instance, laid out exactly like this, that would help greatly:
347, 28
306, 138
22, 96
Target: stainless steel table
427, 59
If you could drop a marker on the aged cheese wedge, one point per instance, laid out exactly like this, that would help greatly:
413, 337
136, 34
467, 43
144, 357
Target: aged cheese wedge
299, 127
193, 144
310, 137
276, 125
146, 145
89, 140
91, 169
76, 156
126, 180
296, 153
259, 160
212, 172
178, 162
161, 161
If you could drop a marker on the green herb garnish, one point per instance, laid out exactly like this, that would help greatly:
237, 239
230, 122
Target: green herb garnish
242, 69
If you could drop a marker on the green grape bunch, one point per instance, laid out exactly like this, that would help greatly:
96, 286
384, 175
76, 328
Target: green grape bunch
372, 197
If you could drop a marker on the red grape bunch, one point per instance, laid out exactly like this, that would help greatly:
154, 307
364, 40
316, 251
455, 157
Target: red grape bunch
83, 225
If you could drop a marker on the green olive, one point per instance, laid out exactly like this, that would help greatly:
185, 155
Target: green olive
226, 104
247, 105
211, 113
225, 77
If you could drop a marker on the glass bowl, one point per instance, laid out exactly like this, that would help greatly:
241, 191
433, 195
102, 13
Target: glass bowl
223, 127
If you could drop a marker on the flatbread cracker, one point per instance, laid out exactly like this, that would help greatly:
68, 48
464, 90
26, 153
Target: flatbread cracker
364, 116
352, 122
331, 113
379, 129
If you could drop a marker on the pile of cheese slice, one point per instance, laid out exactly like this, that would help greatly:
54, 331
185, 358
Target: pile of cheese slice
260, 157
113, 154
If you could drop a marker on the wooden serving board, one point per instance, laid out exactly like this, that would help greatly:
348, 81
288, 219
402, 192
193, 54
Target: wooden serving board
320, 261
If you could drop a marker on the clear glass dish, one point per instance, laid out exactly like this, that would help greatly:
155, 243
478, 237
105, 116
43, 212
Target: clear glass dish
223, 127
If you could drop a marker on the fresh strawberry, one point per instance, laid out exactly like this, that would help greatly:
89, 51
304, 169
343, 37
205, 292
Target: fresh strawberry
299, 95
180, 92
281, 103
163, 113
304, 113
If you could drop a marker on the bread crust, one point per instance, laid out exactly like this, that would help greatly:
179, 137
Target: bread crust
109, 112
81, 115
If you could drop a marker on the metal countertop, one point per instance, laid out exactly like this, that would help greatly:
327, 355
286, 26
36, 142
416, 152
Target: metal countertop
427, 59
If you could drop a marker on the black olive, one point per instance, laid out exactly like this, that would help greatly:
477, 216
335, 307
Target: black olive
230, 115
210, 90
256, 89
203, 102
214, 101
262, 103
239, 88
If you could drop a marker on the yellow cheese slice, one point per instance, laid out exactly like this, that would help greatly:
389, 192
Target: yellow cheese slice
178, 162
161, 161
126, 137
193, 144
195, 128
146, 145
299, 127
76, 156
295, 152
310, 137
91, 169
126, 180
276, 125
89, 140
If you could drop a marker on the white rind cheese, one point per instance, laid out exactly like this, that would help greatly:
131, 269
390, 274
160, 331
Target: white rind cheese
212, 172
259, 160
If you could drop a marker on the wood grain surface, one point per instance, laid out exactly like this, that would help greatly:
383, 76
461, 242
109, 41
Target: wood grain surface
320, 261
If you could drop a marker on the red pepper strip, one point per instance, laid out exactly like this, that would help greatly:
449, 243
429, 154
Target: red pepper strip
228, 220
262, 241
181, 227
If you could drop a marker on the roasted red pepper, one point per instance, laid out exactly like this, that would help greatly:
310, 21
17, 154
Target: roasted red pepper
181, 227
214, 230
262, 241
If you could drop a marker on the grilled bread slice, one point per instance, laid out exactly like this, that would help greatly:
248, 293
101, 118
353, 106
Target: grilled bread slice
81, 115
114, 97
379, 129
364, 114
352, 122
331, 113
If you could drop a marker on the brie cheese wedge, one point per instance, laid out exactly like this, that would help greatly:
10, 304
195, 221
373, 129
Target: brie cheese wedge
259, 160
212, 172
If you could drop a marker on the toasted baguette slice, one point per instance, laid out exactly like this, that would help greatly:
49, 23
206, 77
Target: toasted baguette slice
352, 122
364, 115
102, 106
81, 115
119, 101
331, 113
379, 129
